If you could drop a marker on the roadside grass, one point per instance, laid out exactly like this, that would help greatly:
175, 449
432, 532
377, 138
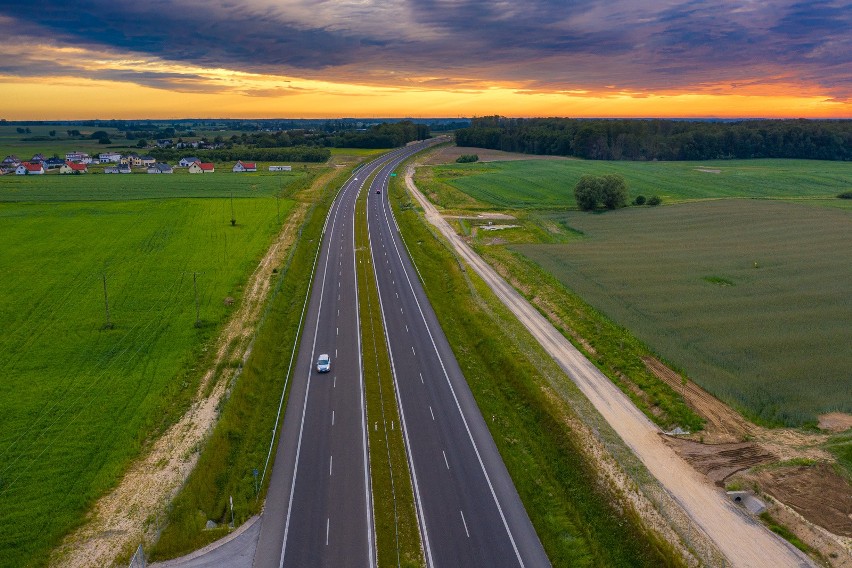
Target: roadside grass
239, 442
125, 187
785, 533
397, 530
549, 184
579, 521
767, 331
79, 401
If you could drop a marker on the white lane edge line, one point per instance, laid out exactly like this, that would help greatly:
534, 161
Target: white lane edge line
464, 523
445, 459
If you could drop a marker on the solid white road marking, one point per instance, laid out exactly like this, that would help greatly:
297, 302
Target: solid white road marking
432, 413
328, 527
445, 459
463, 522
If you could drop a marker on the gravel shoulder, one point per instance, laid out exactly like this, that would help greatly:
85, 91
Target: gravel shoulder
743, 541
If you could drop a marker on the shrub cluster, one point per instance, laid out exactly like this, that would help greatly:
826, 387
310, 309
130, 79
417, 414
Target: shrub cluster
467, 158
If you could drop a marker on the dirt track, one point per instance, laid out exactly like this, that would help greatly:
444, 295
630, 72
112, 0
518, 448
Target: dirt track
743, 541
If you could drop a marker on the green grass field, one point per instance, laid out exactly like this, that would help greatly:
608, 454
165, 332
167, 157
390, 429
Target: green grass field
549, 184
97, 187
751, 298
12, 142
78, 401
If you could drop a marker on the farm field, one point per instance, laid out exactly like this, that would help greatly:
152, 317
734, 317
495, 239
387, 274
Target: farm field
95, 187
749, 297
549, 184
78, 400
13, 142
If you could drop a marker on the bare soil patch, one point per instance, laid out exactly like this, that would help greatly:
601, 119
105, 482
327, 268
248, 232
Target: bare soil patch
130, 514
708, 170
448, 155
835, 422
816, 492
719, 461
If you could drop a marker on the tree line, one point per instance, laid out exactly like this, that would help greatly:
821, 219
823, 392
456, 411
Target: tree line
602, 139
292, 154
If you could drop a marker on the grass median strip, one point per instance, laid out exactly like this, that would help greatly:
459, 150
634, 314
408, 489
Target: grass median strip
579, 521
397, 533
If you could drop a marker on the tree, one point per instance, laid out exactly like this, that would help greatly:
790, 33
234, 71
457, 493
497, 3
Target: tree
609, 191
587, 192
640, 200
142, 143
614, 191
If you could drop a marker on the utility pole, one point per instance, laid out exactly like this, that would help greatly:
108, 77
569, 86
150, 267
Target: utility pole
108, 324
277, 209
233, 220
195, 285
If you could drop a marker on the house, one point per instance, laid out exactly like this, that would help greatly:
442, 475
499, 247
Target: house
186, 162
119, 169
147, 161
160, 168
132, 160
27, 168
164, 143
280, 168
53, 163
73, 168
109, 157
245, 167
201, 168
37, 159
111, 170
11, 160
78, 157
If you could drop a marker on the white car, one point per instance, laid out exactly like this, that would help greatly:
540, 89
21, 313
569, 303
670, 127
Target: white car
323, 363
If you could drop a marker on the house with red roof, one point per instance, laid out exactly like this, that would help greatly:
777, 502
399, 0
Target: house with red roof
70, 167
245, 167
29, 168
201, 168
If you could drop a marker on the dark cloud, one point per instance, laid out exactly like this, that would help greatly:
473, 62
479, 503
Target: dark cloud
536, 45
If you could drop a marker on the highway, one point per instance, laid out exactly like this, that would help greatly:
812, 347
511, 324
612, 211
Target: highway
318, 509
469, 511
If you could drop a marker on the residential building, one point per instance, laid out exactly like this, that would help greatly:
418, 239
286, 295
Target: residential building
11, 160
201, 168
78, 157
245, 167
147, 161
109, 157
53, 163
37, 159
27, 168
186, 162
73, 168
160, 168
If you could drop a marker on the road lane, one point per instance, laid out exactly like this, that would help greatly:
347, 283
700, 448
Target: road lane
318, 510
469, 510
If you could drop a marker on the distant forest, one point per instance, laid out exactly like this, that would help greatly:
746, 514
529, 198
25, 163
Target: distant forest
601, 139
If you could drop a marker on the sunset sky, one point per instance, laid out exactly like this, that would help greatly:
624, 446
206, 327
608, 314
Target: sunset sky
424, 58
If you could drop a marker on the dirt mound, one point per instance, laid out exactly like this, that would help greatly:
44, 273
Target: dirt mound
816, 492
720, 461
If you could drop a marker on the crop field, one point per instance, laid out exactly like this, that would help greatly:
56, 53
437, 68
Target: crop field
79, 398
749, 297
95, 187
549, 184
13, 142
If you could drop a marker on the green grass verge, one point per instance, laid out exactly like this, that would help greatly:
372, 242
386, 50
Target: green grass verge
841, 446
580, 522
397, 531
79, 402
240, 440
785, 533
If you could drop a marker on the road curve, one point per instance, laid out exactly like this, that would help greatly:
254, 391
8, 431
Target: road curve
469, 511
742, 540
318, 508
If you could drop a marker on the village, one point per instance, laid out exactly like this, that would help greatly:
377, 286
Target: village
116, 163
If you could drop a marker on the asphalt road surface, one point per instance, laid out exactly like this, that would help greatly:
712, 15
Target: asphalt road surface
469, 511
318, 509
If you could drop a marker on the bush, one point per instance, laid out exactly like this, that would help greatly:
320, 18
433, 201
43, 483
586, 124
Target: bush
640, 200
467, 158
654, 200
845, 195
